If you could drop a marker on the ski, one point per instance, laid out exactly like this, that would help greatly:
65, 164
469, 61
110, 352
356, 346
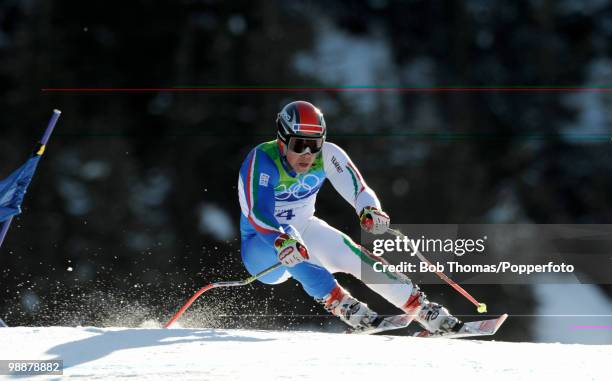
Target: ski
470, 329
386, 324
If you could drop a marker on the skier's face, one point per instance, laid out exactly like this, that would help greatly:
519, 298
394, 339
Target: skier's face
300, 163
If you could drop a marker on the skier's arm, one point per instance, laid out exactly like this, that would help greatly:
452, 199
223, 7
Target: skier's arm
258, 175
347, 180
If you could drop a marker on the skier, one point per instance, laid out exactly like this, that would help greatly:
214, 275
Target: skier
277, 188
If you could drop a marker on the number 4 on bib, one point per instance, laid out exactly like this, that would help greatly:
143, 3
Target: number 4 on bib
286, 214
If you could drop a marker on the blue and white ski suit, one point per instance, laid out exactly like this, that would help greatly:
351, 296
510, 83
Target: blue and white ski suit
274, 199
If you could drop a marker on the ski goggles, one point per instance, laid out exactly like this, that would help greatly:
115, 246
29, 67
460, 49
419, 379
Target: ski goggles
301, 145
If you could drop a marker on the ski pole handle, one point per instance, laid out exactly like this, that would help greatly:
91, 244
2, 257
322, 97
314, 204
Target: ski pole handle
236, 283
480, 307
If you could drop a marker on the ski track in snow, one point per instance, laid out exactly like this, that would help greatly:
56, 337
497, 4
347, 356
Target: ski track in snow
232, 354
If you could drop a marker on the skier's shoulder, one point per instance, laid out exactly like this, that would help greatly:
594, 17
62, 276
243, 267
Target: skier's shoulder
333, 148
333, 153
265, 157
269, 149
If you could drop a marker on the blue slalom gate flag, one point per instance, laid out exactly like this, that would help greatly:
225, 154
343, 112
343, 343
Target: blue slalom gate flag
14, 187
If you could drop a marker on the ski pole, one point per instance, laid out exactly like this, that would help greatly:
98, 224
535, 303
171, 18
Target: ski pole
220, 284
480, 307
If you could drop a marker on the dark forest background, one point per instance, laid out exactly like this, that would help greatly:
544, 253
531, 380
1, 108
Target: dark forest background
134, 205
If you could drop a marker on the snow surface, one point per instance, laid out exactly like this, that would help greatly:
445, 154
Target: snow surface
225, 354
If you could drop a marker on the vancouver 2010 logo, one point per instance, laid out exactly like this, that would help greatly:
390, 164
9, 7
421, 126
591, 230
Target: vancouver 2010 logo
302, 188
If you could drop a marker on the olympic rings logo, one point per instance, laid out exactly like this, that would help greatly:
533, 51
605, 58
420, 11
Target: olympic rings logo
303, 187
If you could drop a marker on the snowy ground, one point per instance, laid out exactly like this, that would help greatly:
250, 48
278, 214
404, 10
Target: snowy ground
218, 354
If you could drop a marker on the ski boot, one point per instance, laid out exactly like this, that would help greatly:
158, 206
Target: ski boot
431, 316
350, 310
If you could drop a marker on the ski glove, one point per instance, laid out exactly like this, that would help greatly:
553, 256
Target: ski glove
290, 251
373, 220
